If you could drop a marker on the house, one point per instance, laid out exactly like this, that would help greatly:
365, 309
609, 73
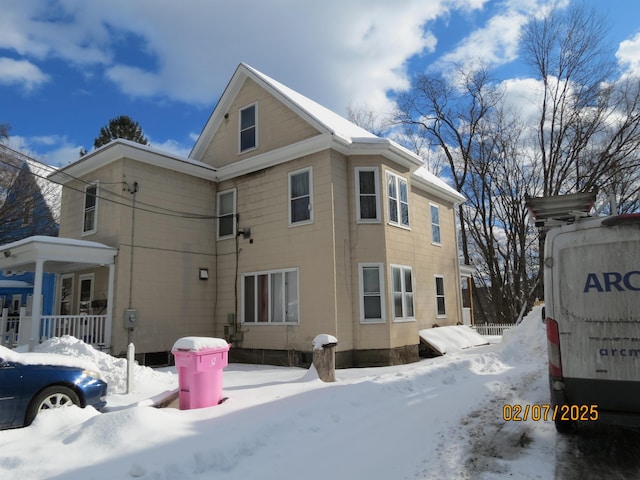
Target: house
28, 208
285, 221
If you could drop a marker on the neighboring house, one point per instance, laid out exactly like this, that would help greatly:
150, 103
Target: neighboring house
28, 208
285, 222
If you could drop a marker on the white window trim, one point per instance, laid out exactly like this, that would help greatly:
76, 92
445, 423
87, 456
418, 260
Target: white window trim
376, 175
218, 214
95, 208
383, 307
269, 272
433, 242
240, 110
397, 179
404, 317
86, 276
444, 295
296, 172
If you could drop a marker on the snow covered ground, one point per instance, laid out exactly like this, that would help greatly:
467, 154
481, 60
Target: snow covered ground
438, 418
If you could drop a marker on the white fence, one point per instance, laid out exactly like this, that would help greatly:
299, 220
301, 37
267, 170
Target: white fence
491, 329
89, 328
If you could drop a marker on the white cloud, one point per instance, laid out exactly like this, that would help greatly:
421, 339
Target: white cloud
21, 72
628, 55
335, 52
54, 150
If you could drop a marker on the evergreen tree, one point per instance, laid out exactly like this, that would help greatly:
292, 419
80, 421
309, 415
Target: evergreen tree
120, 127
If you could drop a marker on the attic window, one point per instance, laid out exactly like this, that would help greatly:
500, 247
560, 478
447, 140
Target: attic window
248, 127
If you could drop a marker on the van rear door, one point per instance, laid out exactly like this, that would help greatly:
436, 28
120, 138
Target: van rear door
596, 291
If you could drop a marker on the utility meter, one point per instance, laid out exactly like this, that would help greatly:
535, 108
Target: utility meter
130, 318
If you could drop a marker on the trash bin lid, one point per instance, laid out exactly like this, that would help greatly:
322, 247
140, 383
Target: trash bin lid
193, 344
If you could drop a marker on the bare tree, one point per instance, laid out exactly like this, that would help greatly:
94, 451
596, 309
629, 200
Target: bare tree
452, 118
587, 123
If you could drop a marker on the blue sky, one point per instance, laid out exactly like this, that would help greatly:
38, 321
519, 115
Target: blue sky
68, 66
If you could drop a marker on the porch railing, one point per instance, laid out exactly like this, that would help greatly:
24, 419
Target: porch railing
9, 325
490, 329
90, 329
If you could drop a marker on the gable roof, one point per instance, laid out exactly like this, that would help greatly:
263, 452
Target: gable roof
346, 135
121, 148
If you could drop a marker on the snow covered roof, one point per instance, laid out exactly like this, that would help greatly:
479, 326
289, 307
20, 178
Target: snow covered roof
121, 148
344, 132
62, 254
436, 184
451, 338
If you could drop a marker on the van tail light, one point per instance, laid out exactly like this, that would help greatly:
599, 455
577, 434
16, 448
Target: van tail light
553, 346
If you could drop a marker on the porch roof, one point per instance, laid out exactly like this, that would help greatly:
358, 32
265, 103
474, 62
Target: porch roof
60, 255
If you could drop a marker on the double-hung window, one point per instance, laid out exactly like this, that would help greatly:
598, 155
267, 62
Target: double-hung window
301, 197
441, 309
372, 305
89, 223
402, 291
435, 224
270, 297
248, 127
226, 214
398, 195
367, 195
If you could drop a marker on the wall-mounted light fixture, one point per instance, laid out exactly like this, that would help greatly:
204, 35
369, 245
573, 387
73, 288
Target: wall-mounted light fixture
203, 274
7, 253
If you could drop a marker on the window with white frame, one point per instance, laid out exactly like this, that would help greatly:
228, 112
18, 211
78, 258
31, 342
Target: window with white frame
402, 291
270, 297
441, 309
301, 196
226, 207
398, 195
249, 127
90, 209
372, 305
435, 224
367, 195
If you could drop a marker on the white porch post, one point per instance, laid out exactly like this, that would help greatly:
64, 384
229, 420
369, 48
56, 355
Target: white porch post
36, 306
109, 321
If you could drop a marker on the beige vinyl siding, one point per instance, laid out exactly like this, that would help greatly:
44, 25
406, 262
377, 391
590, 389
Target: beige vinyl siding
169, 250
278, 126
263, 207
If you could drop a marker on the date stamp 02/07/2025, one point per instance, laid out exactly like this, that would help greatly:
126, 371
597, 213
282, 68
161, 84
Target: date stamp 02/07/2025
544, 412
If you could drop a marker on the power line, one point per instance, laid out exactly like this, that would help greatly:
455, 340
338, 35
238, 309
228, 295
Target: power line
158, 209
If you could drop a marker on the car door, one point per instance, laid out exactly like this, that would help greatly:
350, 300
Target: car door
10, 392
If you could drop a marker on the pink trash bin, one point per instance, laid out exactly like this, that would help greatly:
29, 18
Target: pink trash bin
200, 362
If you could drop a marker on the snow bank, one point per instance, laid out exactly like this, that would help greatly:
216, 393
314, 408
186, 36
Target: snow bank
113, 369
452, 338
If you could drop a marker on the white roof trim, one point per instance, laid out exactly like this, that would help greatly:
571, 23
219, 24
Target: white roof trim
120, 148
60, 254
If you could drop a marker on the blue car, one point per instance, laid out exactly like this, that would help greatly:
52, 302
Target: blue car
30, 383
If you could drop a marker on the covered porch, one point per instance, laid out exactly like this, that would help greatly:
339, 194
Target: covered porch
62, 256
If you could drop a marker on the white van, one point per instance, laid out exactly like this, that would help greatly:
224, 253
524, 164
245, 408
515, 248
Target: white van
592, 308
